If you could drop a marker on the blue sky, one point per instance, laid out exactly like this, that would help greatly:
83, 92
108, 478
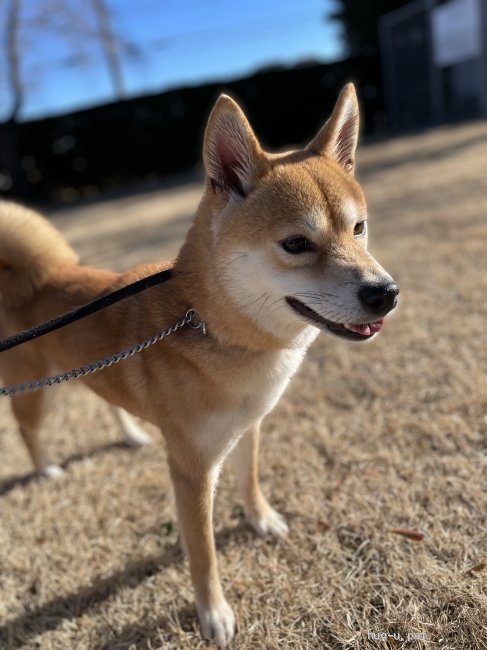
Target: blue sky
161, 44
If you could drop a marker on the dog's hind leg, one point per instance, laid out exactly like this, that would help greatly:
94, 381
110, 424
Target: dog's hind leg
245, 462
29, 411
135, 436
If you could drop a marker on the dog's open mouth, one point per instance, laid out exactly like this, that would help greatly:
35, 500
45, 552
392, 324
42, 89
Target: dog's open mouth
351, 331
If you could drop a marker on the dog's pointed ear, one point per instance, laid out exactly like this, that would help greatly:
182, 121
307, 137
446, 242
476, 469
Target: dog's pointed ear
338, 137
233, 157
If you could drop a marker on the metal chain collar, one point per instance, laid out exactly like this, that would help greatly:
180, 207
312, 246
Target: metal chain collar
191, 318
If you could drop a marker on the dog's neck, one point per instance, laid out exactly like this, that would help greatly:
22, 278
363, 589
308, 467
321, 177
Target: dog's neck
205, 293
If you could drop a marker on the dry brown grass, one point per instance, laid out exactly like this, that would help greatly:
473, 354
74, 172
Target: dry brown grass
367, 438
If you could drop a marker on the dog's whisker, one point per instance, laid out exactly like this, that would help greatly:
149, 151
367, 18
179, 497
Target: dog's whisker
319, 294
254, 301
262, 306
235, 259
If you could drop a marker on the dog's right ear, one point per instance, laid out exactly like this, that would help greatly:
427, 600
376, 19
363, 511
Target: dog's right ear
338, 137
233, 157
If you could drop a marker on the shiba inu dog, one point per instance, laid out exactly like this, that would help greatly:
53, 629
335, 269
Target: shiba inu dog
277, 253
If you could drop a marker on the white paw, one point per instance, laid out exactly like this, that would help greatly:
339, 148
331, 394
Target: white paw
217, 623
135, 436
269, 523
52, 470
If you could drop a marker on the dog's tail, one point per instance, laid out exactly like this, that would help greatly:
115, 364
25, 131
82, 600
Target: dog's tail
30, 250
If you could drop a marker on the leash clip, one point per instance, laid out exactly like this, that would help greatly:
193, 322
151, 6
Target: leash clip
194, 320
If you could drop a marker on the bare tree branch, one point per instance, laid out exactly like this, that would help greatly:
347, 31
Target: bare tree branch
13, 66
110, 47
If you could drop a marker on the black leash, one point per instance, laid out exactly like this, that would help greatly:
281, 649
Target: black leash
85, 310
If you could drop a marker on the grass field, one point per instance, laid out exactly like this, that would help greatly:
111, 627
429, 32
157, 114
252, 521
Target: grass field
366, 439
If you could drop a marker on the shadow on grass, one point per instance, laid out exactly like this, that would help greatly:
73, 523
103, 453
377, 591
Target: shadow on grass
10, 484
16, 632
145, 635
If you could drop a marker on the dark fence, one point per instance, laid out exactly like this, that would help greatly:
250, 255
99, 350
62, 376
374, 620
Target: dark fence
90, 151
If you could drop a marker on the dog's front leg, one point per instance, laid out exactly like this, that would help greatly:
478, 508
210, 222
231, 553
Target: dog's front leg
245, 462
194, 487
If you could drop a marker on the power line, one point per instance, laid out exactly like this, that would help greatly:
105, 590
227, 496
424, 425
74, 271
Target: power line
180, 44
185, 40
236, 30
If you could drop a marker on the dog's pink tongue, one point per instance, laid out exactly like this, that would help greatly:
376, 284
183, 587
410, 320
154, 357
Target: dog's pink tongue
366, 329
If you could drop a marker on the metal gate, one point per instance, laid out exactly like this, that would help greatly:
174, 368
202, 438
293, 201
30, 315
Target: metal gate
427, 80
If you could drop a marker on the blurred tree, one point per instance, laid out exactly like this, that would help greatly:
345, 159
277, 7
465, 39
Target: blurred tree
86, 28
13, 68
9, 158
360, 23
110, 46
88, 31
360, 19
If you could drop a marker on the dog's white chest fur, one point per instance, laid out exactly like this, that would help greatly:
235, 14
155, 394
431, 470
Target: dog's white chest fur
257, 392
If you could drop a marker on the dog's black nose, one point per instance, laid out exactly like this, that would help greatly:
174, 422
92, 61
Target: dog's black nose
379, 298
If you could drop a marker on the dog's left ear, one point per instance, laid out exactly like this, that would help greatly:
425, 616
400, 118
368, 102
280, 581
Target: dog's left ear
338, 137
233, 157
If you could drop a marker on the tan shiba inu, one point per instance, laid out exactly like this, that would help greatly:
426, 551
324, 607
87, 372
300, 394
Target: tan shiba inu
277, 253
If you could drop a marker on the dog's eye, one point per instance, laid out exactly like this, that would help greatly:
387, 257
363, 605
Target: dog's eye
296, 244
360, 229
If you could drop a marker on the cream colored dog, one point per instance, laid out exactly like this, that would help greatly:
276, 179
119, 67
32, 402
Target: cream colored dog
277, 253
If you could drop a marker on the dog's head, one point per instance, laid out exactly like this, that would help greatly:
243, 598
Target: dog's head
290, 230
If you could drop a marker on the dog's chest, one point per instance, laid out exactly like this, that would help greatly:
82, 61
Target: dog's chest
253, 394
261, 386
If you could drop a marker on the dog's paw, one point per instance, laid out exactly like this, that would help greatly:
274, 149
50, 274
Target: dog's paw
268, 522
135, 436
217, 623
52, 470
